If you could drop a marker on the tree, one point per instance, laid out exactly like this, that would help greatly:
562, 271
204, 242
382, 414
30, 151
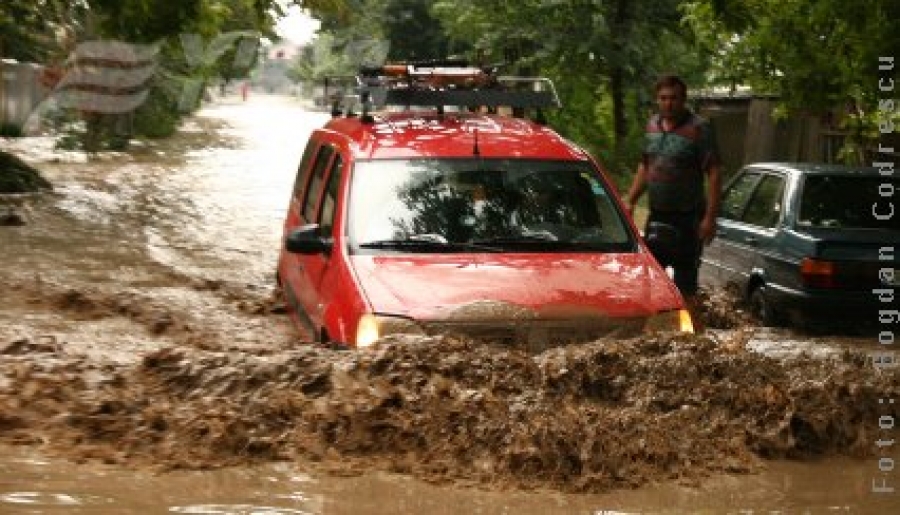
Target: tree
407, 28
182, 69
593, 50
36, 30
602, 54
816, 57
414, 33
325, 57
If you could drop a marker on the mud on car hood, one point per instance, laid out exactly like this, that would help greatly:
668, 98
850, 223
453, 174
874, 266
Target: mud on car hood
579, 295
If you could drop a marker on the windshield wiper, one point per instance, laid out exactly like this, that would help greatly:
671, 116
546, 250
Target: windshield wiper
535, 239
521, 238
528, 237
428, 244
545, 241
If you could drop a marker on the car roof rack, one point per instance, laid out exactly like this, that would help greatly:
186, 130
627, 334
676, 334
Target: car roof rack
445, 83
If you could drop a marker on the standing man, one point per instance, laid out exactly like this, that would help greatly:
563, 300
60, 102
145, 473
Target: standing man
679, 153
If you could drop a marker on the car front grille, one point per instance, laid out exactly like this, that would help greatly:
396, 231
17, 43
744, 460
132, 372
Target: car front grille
538, 334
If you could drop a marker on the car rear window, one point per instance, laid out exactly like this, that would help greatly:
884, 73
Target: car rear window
841, 201
510, 204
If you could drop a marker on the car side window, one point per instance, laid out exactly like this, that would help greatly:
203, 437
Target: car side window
764, 208
329, 201
735, 199
303, 170
314, 189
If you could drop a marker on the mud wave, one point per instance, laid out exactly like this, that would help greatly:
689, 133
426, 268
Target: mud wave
581, 418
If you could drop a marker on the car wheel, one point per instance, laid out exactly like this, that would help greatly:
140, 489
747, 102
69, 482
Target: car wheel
761, 308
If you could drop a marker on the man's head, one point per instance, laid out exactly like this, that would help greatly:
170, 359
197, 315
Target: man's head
671, 94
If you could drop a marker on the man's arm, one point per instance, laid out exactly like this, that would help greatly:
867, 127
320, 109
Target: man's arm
638, 186
713, 194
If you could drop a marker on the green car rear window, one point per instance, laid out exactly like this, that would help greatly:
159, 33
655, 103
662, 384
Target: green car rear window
852, 202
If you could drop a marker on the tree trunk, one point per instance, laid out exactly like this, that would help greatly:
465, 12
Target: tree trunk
2, 90
617, 90
621, 26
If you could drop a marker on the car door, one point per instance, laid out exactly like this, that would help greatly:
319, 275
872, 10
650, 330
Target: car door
303, 210
314, 268
759, 232
724, 259
748, 234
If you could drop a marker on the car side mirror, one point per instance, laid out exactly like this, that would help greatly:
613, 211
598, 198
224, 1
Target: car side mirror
308, 239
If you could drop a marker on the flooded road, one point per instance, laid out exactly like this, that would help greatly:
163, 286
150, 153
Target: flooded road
31, 484
141, 339
162, 228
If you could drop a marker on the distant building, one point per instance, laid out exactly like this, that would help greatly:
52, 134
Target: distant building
283, 51
270, 75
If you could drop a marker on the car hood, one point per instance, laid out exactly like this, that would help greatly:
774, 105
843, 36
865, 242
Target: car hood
559, 286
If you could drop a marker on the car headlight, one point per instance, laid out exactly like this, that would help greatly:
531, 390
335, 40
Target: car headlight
678, 320
372, 327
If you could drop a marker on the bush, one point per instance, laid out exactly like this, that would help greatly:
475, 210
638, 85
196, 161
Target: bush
16, 176
10, 130
157, 117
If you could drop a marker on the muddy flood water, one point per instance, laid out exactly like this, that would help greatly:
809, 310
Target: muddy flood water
147, 366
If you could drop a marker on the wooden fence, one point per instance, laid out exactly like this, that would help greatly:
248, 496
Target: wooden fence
748, 133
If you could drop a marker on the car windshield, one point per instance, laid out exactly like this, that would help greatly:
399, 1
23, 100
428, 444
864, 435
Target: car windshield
844, 201
466, 205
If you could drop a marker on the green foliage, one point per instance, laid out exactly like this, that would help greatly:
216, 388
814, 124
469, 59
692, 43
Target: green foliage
93, 132
47, 30
413, 32
815, 56
864, 130
603, 56
357, 30
158, 116
146, 21
16, 176
38, 30
326, 57
10, 130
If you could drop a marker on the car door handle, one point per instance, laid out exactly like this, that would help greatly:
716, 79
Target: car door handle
750, 239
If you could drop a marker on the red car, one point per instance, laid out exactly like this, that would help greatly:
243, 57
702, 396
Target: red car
450, 220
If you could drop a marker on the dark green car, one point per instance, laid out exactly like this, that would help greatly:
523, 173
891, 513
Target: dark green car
809, 243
